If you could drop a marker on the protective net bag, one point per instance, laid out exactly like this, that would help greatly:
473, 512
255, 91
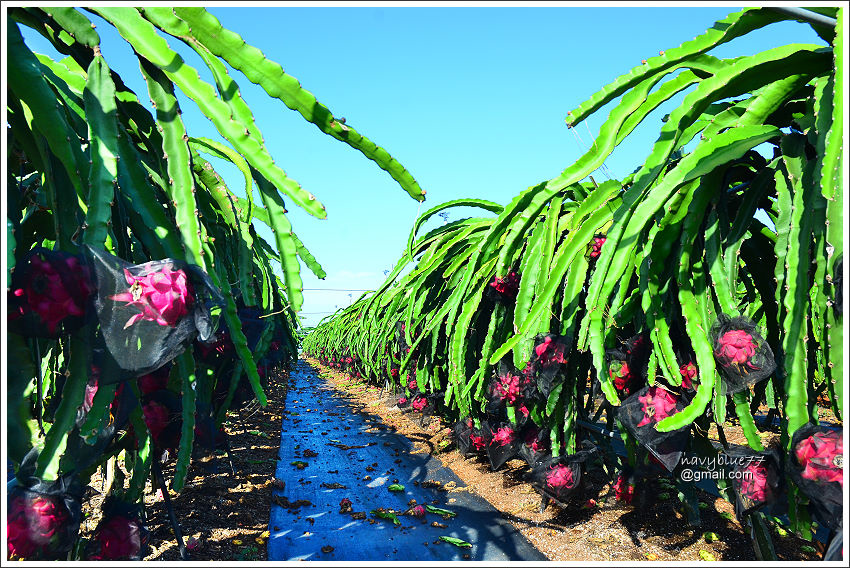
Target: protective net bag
624, 485
535, 443
510, 388
756, 479
559, 478
163, 414
404, 401
400, 341
422, 404
504, 445
216, 352
120, 534
347, 363
412, 385
743, 356
547, 361
461, 431
816, 465
627, 364
208, 436
503, 290
470, 440
149, 313
641, 411
50, 293
42, 518
155, 380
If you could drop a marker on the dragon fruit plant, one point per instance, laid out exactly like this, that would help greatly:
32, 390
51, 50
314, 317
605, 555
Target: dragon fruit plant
97, 174
677, 248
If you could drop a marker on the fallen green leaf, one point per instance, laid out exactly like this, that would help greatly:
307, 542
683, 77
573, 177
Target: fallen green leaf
703, 505
710, 537
396, 487
727, 515
438, 511
780, 531
385, 515
808, 549
706, 555
456, 541
258, 433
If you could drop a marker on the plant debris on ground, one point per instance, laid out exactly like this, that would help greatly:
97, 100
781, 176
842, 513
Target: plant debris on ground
224, 517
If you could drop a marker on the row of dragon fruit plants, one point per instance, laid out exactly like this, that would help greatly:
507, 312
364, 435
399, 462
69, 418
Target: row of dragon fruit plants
698, 289
143, 303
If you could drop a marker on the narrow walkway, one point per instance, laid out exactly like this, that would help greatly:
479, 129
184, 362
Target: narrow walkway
350, 454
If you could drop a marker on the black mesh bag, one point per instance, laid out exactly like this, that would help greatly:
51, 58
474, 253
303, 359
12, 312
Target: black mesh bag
547, 361
471, 440
503, 290
743, 356
401, 343
461, 431
150, 312
155, 380
208, 436
642, 410
120, 534
104, 364
412, 385
422, 404
42, 518
535, 444
50, 293
510, 388
163, 415
347, 362
216, 352
404, 401
504, 445
627, 364
816, 465
756, 479
559, 478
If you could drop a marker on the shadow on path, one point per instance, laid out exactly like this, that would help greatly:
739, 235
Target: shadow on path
356, 456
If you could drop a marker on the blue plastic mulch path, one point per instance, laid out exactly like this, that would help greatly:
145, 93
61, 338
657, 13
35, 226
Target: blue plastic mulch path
350, 454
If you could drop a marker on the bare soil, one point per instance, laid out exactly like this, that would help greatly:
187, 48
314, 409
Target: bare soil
225, 517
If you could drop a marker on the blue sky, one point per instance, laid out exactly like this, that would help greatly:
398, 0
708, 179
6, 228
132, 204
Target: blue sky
471, 100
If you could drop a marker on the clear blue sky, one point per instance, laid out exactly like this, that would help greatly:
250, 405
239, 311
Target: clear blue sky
471, 101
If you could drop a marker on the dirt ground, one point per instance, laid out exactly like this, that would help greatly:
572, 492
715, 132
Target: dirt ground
225, 517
